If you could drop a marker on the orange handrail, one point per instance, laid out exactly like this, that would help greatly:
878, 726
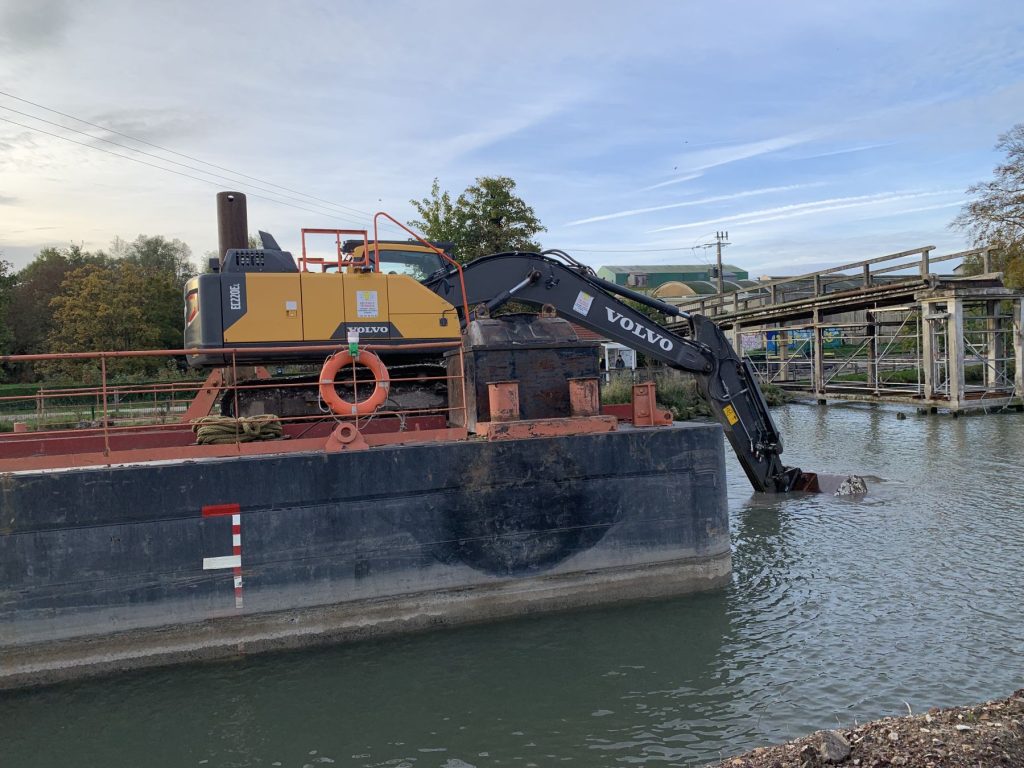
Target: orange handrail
118, 419
431, 246
220, 350
305, 259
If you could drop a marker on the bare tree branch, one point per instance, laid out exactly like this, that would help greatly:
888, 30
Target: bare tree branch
996, 216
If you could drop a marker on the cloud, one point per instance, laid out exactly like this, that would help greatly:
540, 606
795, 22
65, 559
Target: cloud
704, 159
525, 117
149, 124
8, 200
954, 204
670, 182
845, 206
847, 150
688, 203
807, 209
30, 24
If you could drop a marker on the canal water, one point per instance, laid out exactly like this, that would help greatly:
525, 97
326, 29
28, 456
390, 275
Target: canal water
839, 611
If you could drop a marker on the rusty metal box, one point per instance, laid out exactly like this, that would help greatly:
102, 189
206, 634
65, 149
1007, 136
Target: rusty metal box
541, 353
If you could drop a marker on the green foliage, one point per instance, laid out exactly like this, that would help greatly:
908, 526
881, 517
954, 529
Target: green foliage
165, 266
157, 255
6, 291
896, 376
105, 307
996, 216
973, 374
676, 392
488, 217
70, 300
29, 316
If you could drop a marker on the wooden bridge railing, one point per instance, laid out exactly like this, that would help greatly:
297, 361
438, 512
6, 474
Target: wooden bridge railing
815, 284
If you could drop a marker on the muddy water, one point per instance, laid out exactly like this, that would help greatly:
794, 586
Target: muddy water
838, 611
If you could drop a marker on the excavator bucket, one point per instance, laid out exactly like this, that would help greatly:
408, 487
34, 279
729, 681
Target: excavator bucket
834, 485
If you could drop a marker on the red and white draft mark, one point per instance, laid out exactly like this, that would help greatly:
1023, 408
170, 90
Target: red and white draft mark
234, 560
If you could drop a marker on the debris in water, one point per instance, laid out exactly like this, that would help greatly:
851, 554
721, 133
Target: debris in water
853, 485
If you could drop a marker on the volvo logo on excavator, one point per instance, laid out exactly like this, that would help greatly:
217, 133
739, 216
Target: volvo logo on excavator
641, 331
370, 330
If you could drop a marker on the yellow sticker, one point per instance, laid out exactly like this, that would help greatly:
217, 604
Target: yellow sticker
730, 414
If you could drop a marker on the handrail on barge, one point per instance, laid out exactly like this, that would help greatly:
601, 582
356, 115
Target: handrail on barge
116, 430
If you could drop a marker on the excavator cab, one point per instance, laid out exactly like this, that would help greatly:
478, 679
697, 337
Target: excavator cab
398, 257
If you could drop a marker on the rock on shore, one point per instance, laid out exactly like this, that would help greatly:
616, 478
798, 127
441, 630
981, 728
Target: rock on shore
984, 736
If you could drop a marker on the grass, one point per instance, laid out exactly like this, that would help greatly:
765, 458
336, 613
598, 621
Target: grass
973, 374
898, 376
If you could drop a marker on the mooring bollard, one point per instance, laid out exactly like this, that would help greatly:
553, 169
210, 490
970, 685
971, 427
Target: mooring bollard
503, 400
583, 397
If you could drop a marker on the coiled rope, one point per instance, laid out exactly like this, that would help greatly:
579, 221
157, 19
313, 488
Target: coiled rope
219, 430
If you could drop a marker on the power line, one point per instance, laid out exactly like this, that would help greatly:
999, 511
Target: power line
173, 152
157, 157
360, 216
158, 167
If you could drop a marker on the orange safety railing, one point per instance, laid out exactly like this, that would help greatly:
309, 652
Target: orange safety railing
431, 246
117, 420
340, 261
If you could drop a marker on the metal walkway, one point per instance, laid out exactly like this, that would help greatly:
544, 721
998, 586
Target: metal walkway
886, 330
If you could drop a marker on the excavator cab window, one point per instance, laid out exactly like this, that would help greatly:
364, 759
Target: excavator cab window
418, 265
401, 257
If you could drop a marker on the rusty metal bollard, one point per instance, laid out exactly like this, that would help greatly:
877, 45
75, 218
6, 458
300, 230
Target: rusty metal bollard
645, 407
503, 400
583, 397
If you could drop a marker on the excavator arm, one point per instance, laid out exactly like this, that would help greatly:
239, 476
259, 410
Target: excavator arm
727, 381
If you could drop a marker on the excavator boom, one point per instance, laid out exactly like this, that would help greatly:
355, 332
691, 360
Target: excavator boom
576, 294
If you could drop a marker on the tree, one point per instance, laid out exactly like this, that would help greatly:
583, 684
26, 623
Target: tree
92, 302
165, 265
104, 307
157, 254
488, 217
29, 316
6, 290
996, 216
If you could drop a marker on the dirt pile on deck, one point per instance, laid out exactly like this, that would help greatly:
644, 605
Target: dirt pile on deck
982, 736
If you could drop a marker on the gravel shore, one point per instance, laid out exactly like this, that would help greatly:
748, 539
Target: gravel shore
983, 736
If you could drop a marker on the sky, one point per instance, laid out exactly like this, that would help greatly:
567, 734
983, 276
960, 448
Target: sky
815, 133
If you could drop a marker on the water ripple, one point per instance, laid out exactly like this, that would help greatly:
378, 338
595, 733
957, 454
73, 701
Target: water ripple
838, 612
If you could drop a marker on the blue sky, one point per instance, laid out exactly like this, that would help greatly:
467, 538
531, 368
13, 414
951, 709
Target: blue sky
815, 133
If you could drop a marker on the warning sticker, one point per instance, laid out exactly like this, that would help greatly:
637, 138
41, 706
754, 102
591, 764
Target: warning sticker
730, 415
366, 304
582, 304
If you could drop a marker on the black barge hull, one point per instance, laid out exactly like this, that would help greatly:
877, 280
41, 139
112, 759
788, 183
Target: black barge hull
114, 568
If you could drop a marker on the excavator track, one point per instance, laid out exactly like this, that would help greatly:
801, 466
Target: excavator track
414, 386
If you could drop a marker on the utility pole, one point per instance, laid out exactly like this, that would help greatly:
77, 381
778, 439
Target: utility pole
721, 238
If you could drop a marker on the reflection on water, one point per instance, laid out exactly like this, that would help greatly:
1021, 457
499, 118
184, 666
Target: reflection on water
838, 611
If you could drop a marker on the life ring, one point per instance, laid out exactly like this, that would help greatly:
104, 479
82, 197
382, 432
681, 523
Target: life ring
343, 407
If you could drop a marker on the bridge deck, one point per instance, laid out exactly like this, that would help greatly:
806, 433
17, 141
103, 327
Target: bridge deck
885, 329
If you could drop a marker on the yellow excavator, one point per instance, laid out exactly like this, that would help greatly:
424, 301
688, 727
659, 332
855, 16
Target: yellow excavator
398, 292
